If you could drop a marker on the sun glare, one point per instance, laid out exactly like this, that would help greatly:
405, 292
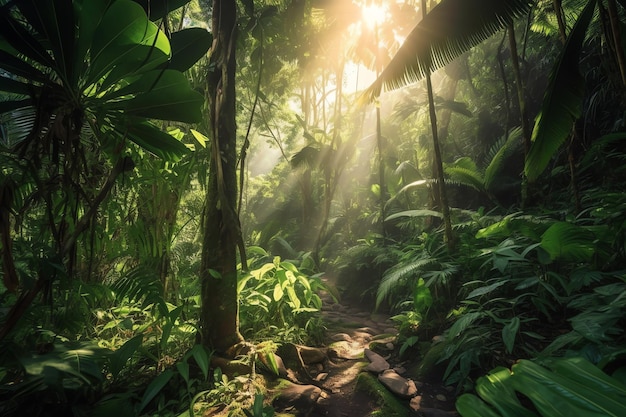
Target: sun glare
373, 14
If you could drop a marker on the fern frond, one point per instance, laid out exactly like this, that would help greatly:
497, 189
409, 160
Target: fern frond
506, 149
466, 176
141, 284
399, 275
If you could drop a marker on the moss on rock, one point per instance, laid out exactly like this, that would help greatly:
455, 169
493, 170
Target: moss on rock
390, 406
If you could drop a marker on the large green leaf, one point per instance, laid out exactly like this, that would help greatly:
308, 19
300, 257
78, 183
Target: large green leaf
469, 405
497, 162
120, 35
154, 388
495, 389
188, 46
156, 141
571, 393
450, 29
119, 358
509, 334
568, 242
91, 13
574, 387
562, 104
144, 58
167, 96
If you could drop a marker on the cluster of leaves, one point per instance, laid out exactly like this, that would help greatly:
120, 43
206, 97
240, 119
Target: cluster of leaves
516, 284
82, 378
567, 387
278, 299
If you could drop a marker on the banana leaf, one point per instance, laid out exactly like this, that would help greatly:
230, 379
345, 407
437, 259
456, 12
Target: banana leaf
572, 387
562, 103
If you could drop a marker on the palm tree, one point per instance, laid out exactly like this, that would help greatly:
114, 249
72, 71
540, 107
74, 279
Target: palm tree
80, 83
448, 30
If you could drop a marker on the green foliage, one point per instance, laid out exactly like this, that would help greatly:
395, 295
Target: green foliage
563, 101
106, 59
278, 299
258, 409
569, 387
447, 31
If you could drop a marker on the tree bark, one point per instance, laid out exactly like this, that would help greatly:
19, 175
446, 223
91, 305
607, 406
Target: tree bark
219, 317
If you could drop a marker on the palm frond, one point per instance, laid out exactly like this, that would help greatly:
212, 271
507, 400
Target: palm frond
16, 125
141, 284
562, 104
398, 275
306, 157
417, 184
450, 29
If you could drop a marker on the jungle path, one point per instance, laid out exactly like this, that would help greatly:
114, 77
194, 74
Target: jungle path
352, 331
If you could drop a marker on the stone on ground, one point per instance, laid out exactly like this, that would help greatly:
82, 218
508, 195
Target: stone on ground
399, 386
377, 364
297, 397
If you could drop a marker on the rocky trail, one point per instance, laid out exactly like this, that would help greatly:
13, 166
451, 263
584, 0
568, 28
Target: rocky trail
356, 374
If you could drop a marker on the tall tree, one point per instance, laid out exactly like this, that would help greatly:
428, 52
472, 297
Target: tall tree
451, 28
219, 317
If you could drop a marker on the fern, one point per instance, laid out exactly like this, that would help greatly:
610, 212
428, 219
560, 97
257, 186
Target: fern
505, 150
141, 284
399, 275
466, 176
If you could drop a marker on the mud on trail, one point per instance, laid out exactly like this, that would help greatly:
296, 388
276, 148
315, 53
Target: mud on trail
342, 386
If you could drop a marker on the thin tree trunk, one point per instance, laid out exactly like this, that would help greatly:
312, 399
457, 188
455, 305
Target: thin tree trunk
443, 196
219, 317
558, 10
334, 165
519, 83
381, 148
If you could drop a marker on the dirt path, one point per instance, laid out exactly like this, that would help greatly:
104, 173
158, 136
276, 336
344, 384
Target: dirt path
350, 331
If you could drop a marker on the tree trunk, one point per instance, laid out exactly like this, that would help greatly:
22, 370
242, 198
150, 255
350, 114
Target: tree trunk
526, 132
443, 196
219, 317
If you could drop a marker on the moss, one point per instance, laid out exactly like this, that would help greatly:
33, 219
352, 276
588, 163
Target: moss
390, 406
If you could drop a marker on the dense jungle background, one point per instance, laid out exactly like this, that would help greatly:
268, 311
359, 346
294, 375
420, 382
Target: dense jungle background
183, 182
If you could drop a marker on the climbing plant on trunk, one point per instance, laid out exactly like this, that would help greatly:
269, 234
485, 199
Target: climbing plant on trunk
219, 318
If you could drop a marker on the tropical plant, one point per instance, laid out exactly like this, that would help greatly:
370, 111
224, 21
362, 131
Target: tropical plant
258, 409
567, 387
465, 171
277, 296
84, 81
